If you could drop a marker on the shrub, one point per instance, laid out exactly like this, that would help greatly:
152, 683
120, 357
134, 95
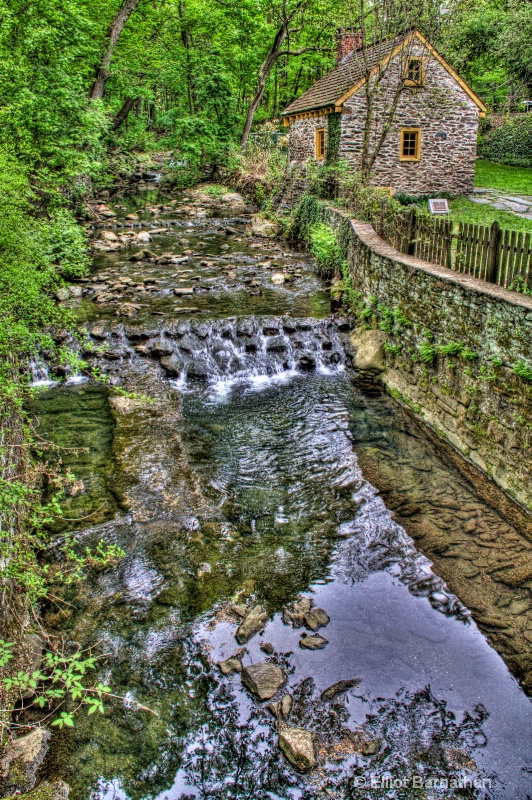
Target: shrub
325, 249
509, 144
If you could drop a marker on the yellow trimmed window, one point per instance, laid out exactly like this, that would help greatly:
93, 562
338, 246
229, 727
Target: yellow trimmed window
414, 72
320, 144
410, 144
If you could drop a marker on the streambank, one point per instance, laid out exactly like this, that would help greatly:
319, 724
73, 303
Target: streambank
249, 480
455, 349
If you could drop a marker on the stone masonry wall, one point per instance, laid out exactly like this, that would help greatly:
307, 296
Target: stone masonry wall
302, 138
448, 120
476, 401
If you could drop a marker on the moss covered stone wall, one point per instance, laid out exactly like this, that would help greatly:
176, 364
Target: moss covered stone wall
457, 351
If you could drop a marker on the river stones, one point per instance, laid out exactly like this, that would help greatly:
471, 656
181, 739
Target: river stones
294, 615
281, 708
316, 618
253, 622
264, 227
230, 665
315, 642
263, 679
239, 609
338, 688
297, 745
172, 365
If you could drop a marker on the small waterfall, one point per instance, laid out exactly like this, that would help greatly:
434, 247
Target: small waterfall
257, 349
39, 373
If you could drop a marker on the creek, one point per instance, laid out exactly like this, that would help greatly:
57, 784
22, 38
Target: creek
252, 465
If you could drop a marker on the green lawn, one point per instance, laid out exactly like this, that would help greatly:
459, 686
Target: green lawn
463, 210
515, 180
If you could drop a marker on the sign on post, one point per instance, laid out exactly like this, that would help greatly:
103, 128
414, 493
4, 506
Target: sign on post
439, 206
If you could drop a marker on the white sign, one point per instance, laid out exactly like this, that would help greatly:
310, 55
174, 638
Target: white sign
439, 206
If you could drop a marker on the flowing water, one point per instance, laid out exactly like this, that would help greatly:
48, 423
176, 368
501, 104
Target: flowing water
262, 471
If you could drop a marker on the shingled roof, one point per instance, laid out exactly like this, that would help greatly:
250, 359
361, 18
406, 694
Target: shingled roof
327, 90
330, 89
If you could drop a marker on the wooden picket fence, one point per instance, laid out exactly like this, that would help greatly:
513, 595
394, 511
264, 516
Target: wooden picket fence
487, 252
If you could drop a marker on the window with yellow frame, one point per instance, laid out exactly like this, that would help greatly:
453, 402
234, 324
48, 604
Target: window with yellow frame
320, 144
410, 144
414, 71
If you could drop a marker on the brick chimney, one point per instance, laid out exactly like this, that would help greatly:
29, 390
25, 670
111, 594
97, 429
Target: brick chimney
347, 40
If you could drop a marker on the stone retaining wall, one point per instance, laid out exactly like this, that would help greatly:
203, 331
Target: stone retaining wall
475, 399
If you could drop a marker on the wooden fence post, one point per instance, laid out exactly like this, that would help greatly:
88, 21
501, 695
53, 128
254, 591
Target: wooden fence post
494, 252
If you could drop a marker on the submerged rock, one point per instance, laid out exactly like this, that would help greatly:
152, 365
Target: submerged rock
338, 688
263, 679
315, 642
253, 622
297, 745
316, 618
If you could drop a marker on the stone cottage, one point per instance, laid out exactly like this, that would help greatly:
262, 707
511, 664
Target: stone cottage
420, 136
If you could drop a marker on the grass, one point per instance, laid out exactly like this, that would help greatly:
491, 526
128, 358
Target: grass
515, 180
463, 210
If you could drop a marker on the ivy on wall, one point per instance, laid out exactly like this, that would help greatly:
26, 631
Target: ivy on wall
333, 137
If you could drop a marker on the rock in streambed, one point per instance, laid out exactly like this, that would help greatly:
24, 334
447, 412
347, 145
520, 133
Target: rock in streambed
263, 679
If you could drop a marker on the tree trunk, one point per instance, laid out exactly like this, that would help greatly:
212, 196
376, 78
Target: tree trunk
115, 29
122, 115
264, 72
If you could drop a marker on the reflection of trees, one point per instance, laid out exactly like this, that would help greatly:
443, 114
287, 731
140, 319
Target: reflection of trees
418, 736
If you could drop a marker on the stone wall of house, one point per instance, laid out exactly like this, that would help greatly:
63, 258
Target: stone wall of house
447, 116
302, 138
448, 119
476, 403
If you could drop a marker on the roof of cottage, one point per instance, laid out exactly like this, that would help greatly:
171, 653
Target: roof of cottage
352, 70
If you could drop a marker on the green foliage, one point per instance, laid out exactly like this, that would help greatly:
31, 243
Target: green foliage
333, 137
325, 249
523, 370
450, 349
393, 349
511, 143
427, 351
60, 678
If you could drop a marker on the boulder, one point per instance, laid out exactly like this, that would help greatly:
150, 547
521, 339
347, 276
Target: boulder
264, 227
109, 236
143, 237
253, 622
297, 745
232, 199
278, 278
315, 642
369, 350
62, 294
21, 760
263, 680
181, 291
316, 618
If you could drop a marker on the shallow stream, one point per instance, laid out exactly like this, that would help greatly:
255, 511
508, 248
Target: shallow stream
263, 471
